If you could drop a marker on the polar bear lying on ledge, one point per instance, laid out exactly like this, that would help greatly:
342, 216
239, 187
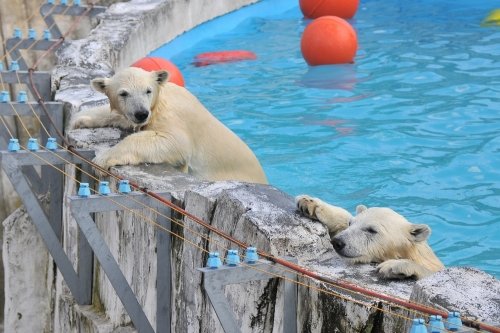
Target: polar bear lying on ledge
173, 127
376, 235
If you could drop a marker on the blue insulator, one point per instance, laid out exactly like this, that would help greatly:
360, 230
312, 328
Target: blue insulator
76, 2
454, 323
104, 188
436, 324
31, 33
124, 186
22, 97
84, 190
214, 260
17, 33
14, 66
232, 259
251, 256
64, 2
418, 326
46, 34
4, 96
13, 145
33, 144
51, 144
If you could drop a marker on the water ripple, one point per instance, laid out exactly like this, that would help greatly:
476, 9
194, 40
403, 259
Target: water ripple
413, 124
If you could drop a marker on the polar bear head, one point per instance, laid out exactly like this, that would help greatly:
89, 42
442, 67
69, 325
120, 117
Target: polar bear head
379, 234
132, 92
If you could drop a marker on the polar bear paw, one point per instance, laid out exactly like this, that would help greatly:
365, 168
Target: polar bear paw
80, 121
399, 269
307, 206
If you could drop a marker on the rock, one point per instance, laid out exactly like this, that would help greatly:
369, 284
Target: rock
469, 291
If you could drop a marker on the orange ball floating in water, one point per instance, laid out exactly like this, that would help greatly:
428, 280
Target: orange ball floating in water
329, 40
317, 8
155, 64
211, 58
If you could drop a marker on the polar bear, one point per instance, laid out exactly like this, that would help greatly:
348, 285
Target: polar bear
171, 126
376, 234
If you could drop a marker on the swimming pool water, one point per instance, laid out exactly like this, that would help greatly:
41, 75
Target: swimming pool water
413, 124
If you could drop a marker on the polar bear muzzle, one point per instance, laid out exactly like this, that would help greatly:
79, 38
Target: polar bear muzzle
141, 115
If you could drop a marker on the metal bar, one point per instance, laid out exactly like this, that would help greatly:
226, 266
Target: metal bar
85, 268
28, 43
72, 11
240, 274
163, 271
27, 160
47, 11
112, 270
26, 109
39, 218
55, 181
24, 157
38, 77
4, 143
86, 171
228, 321
56, 112
98, 203
216, 279
16, 55
136, 200
33, 178
14, 45
50, 22
42, 81
55, 176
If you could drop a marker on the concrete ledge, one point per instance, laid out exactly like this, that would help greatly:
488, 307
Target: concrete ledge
468, 290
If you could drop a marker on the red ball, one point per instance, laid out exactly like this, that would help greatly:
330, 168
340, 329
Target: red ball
317, 8
154, 64
329, 40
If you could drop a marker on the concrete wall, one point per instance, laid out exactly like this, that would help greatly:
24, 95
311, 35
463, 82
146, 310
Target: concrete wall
261, 215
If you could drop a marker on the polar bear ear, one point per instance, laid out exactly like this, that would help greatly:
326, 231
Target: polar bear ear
360, 209
161, 76
100, 84
419, 232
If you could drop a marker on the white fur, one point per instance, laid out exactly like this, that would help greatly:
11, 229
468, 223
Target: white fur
376, 235
178, 129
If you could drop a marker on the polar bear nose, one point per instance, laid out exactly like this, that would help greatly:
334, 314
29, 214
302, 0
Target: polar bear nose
141, 115
338, 244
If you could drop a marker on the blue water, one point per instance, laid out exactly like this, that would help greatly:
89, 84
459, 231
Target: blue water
413, 124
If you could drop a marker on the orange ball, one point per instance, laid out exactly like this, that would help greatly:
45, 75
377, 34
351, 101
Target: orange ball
317, 8
155, 64
329, 40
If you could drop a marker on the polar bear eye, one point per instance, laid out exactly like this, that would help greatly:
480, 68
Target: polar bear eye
371, 230
149, 91
123, 94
